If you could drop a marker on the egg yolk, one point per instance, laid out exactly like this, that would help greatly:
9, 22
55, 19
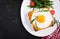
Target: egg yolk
40, 18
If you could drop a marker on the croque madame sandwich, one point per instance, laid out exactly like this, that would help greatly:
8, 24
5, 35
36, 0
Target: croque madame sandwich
40, 20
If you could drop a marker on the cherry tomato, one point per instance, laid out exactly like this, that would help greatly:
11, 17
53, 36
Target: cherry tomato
52, 12
32, 3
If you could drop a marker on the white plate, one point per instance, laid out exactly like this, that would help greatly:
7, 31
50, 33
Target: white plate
28, 26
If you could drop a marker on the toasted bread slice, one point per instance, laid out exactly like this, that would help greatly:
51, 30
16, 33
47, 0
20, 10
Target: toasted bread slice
34, 26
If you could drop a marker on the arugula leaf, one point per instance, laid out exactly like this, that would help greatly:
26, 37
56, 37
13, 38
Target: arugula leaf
42, 3
55, 21
33, 20
35, 23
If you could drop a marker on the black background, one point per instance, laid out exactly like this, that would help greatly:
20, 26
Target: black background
10, 21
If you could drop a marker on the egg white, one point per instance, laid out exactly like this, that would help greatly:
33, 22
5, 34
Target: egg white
48, 19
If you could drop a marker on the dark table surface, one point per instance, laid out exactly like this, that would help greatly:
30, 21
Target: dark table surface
10, 21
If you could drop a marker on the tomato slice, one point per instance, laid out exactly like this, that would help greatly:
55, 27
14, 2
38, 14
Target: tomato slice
52, 12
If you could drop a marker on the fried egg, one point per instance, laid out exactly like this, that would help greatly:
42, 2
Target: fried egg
42, 19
